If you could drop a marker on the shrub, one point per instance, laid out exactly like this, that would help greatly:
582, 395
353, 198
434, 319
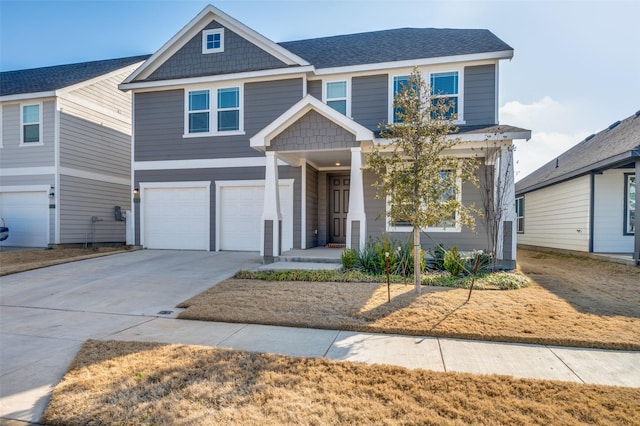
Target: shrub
438, 253
506, 280
453, 262
349, 257
483, 266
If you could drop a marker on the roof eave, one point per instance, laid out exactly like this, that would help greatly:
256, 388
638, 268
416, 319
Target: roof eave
25, 96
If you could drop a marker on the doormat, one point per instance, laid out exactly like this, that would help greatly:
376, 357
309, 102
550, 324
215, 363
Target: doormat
335, 245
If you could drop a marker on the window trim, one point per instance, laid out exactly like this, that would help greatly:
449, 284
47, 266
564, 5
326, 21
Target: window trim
22, 124
403, 228
519, 215
206, 33
427, 75
213, 111
625, 222
347, 97
457, 95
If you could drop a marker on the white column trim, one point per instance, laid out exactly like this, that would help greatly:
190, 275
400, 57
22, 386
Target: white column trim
303, 206
356, 197
271, 209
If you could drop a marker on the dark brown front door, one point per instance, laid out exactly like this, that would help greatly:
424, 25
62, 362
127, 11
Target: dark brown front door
338, 208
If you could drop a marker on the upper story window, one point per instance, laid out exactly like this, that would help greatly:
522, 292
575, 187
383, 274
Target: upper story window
630, 204
213, 41
445, 84
399, 82
336, 96
520, 214
213, 112
31, 123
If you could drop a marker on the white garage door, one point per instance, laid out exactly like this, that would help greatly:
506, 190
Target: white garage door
240, 208
175, 217
26, 214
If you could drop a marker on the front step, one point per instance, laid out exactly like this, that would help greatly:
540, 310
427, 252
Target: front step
309, 259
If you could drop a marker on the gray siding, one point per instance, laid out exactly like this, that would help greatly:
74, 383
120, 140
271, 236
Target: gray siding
480, 94
312, 207
159, 123
28, 180
370, 99
251, 173
313, 132
465, 240
239, 55
36, 155
80, 199
314, 88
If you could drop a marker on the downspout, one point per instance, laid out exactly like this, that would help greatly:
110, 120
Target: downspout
591, 209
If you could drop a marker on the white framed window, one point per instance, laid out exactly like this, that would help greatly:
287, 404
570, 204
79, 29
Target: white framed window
520, 214
451, 224
399, 82
214, 111
445, 85
630, 204
213, 41
336, 95
31, 124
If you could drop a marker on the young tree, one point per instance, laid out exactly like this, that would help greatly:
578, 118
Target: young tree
416, 173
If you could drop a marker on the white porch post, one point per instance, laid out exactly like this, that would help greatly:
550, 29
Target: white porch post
356, 218
506, 247
271, 236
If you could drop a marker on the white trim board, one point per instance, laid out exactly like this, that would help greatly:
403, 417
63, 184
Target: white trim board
211, 163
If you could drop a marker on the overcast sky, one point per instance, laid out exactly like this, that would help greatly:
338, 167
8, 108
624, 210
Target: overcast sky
575, 70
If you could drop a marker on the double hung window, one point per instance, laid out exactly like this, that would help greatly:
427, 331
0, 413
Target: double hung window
399, 82
336, 96
31, 118
630, 204
520, 214
212, 112
445, 85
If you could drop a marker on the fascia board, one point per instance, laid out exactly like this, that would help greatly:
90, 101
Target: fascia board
196, 25
217, 78
504, 54
67, 89
25, 96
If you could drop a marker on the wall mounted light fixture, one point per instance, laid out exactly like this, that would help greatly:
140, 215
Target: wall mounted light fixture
136, 195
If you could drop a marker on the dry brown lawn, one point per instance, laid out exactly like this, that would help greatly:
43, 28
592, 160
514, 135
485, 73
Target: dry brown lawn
12, 262
146, 383
573, 301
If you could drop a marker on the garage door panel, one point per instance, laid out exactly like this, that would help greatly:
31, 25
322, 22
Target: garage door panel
26, 214
176, 218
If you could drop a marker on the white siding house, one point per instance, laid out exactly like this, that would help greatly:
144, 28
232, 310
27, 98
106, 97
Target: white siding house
585, 200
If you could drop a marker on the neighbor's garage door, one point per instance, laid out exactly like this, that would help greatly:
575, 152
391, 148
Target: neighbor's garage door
26, 214
241, 214
176, 217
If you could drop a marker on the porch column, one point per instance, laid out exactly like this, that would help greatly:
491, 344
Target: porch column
271, 235
506, 248
356, 218
636, 245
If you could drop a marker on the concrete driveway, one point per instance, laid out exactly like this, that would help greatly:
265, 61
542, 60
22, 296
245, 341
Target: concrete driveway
47, 314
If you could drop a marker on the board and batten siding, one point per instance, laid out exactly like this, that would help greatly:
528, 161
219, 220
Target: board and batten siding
466, 240
608, 213
558, 216
93, 141
370, 100
223, 174
480, 94
28, 155
82, 199
159, 125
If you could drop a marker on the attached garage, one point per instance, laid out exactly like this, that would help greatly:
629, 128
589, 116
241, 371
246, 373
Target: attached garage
26, 214
239, 214
175, 215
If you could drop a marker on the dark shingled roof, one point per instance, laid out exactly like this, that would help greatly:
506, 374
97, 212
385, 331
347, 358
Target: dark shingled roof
614, 146
394, 45
56, 77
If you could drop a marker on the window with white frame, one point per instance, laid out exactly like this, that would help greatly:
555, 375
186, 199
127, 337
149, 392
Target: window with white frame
336, 96
214, 111
445, 85
450, 224
213, 41
520, 214
31, 123
399, 82
630, 204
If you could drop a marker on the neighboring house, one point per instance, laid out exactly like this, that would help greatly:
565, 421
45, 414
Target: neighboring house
65, 152
241, 143
585, 200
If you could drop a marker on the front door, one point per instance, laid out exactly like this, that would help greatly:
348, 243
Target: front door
338, 208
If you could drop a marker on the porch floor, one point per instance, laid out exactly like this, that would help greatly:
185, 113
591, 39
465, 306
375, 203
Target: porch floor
313, 255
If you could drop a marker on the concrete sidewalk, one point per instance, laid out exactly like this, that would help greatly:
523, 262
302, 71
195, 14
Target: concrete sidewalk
47, 314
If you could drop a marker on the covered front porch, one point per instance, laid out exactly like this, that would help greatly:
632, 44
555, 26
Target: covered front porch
328, 148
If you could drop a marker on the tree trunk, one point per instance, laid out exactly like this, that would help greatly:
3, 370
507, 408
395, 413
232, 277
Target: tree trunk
417, 272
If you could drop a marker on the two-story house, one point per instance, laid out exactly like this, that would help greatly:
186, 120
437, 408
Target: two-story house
241, 143
65, 153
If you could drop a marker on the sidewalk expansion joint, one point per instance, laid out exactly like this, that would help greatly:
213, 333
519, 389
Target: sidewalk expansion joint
128, 328
231, 335
444, 365
331, 344
565, 364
